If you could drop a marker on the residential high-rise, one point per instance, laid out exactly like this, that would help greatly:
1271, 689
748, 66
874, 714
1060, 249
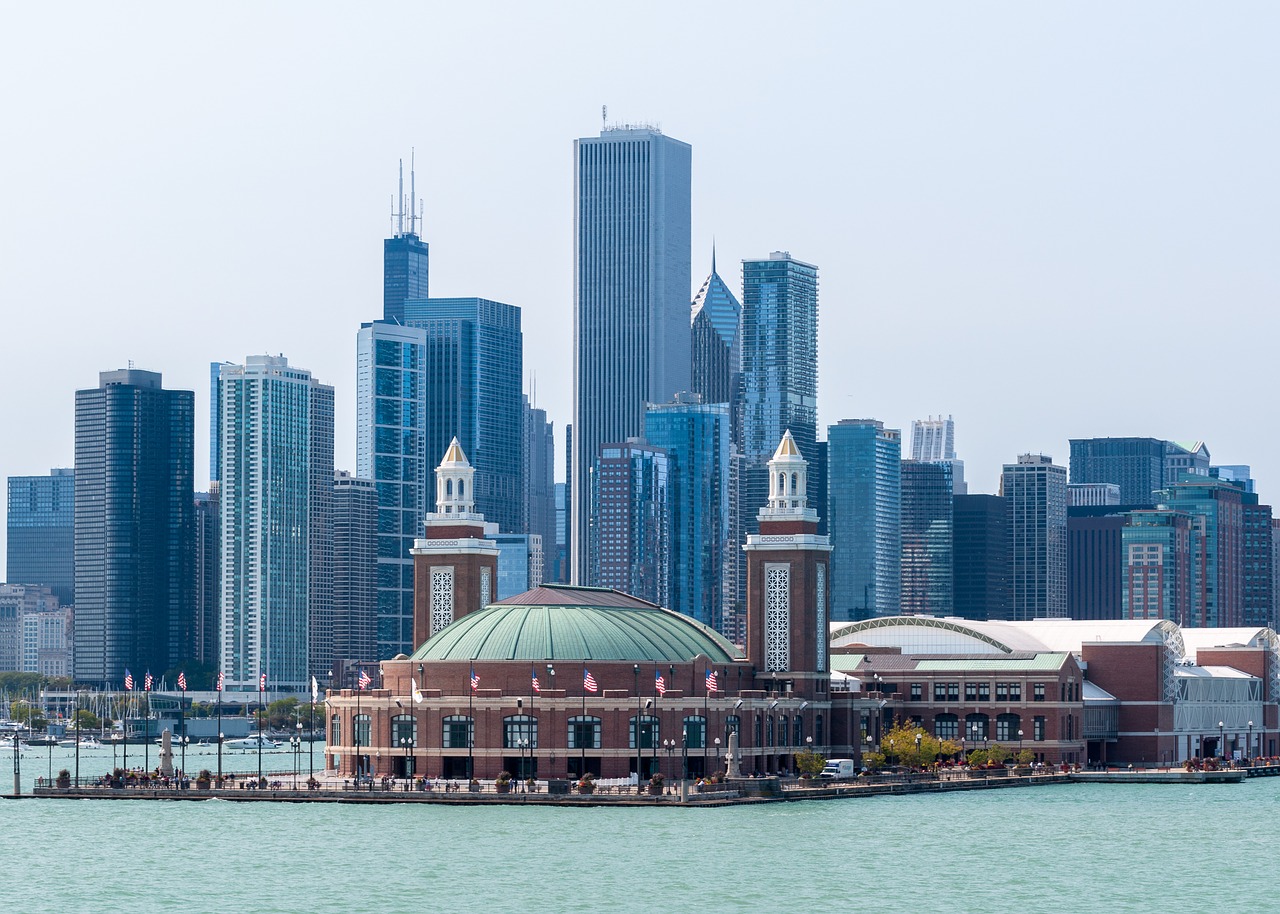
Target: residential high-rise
473, 371
1217, 523
405, 258
696, 438
1036, 489
135, 526
276, 503
934, 441
391, 450
33, 631
538, 477
716, 340
208, 585
1094, 559
928, 528
1156, 565
1256, 596
1136, 465
559, 573
41, 545
982, 557
631, 521
355, 569
864, 517
631, 283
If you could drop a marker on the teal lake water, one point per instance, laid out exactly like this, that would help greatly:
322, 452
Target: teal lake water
1071, 848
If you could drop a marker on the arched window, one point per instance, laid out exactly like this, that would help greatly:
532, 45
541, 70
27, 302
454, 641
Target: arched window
335, 730
733, 724
817, 730
404, 731
795, 483
977, 726
946, 726
759, 732
649, 732
462, 488
1007, 726
797, 737
782, 483
448, 488
768, 733
695, 732
584, 733
362, 729
457, 732
519, 727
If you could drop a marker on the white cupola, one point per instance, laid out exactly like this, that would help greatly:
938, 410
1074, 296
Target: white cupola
788, 479
455, 479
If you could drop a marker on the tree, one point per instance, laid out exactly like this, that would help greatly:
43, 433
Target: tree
87, 720
907, 743
998, 754
810, 763
22, 711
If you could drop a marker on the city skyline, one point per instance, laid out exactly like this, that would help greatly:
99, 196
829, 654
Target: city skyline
1061, 158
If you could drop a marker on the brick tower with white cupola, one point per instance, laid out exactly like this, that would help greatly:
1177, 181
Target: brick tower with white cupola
455, 566
787, 583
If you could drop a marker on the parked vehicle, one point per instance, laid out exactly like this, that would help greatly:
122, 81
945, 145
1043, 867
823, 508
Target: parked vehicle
840, 768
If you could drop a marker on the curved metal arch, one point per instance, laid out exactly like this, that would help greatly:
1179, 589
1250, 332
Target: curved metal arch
922, 622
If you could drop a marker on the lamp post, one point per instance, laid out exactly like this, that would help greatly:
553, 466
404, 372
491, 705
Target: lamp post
718, 758
684, 755
295, 743
639, 760
1019, 742
221, 735
551, 672
75, 719
1222, 740
670, 746
17, 767
1248, 749
405, 744
520, 741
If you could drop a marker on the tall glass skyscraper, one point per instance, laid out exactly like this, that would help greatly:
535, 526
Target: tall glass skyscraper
716, 341
276, 501
631, 521
696, 439
473, 367
1136, 465
405, 258
135, 526
864, 508
631, 295
1218, 545
391, 450
1036, 490
538, 477
355, 569
927, 538
41, 545
779, 375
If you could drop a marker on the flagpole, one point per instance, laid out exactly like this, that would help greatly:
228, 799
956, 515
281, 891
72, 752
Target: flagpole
262, 691
219, 684
583, 767
311, 743
125, 761
182, 716
146, 728
355, 729
706, 722
471, 725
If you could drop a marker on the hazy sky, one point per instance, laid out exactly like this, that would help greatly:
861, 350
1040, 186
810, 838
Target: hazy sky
1048, 220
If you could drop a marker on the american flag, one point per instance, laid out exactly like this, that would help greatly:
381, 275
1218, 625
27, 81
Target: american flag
659, 684
536, 686
712, 682
262, 683
217, 684
475, 679
146, 682
365, 681
128, 680
589, 681
182, 680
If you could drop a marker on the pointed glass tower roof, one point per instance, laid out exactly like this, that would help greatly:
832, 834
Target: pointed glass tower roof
721, 307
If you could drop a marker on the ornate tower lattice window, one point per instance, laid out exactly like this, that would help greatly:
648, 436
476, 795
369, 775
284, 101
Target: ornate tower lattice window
821, 595
777, 617
486, 588
441, 598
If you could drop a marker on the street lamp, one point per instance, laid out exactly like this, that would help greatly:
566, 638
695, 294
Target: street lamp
1222, 740
551, 671
639, 760
1248, 749
295, 742
719, 759
1019, 743
406, 743
670, 746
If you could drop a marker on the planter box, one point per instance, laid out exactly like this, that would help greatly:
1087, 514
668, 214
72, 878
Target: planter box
655, 790
586, 788
502, 788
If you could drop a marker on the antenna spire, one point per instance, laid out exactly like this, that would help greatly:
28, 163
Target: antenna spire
604, 116
400, 213
713, 253
413, 196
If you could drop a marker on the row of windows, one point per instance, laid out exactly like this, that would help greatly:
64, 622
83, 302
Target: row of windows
978, 727
981, 691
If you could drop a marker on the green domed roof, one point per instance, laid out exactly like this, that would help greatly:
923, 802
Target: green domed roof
553, 623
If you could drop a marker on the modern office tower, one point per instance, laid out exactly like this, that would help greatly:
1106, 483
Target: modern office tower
559, 573
520, 563
1256, 557
696, 438
1136, 465
473, 369
1094, 560
567, 571
391, 450
934, 441
982, 557
355, 569
1037, 492
928, 528
1217, 523
538, 478
276, 501
715, 340
1239, 473
630, 296
135, 526
1156, 565
207, 635
404, 257
215, 421
1092, 495
41, 546
779, 366
631, 521
1185, 458
864, 515
1275, 573
33, 631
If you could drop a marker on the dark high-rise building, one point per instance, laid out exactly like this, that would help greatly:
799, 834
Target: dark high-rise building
355, 568
539, 480
404, 259
982, 557
631, 521
41, 529
1217, 560
1258, 599
864, 517
928, 522
632, 210
208, 580
1037, 492
1095, 566
135, 527
472, 381
1136, 465
696, 438
716, 341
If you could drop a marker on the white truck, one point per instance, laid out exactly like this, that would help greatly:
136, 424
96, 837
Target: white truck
839, 768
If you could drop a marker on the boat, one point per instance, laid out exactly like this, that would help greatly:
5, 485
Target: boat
251, 742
